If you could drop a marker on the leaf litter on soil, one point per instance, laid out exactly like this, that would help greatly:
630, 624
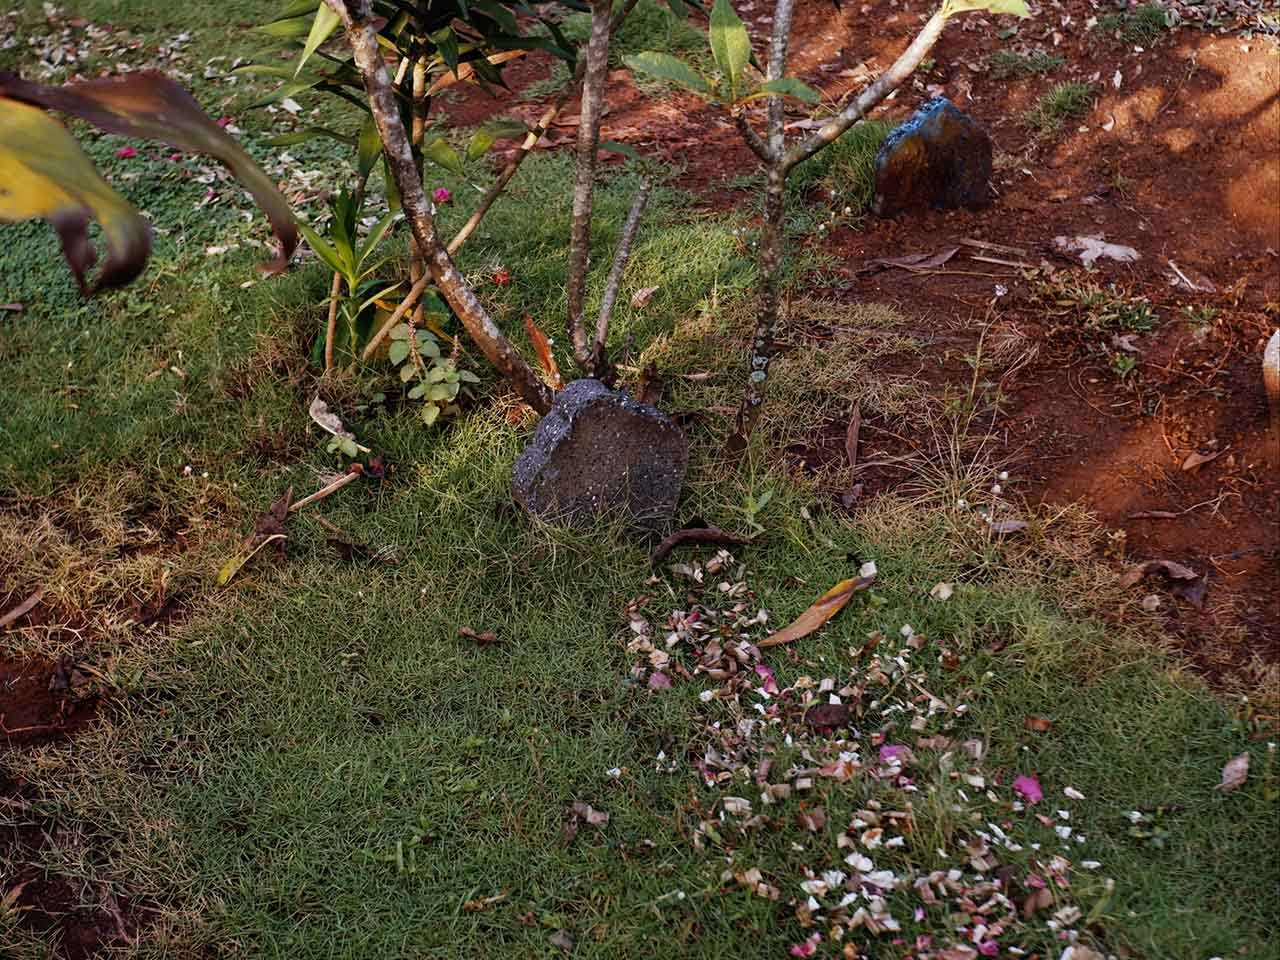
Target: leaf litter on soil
992, 881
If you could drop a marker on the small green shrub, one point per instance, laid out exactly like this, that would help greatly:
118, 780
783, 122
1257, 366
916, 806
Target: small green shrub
1062, 103
1143, 24
1009, 64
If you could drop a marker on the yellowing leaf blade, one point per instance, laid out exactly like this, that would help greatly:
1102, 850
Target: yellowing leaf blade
44, 173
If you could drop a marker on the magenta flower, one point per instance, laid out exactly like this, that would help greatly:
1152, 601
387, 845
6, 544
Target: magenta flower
442, 195
659, 681
126, 153
806, 948
1029, 787
989, 948
770, 684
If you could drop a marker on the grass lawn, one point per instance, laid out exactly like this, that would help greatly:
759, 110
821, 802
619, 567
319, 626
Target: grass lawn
311, 762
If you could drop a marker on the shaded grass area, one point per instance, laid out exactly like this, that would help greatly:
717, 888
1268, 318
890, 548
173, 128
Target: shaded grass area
315, 764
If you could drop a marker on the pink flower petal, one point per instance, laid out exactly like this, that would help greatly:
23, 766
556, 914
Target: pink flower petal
989, 948
442, 195
893, 751
808, 948
770, 684
125, 153
1029, 787
659, 681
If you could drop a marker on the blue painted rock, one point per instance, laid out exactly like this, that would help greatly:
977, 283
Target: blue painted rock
597, 453
940, 159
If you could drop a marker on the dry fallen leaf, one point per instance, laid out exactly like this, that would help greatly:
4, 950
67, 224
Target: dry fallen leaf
942, 591
1234, 773
481, 639
641, 297
1175, 571
822, 610
917, 262
1196, 460
1038, 724
330, 422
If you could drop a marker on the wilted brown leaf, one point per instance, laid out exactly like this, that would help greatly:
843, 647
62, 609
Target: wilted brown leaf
1038, 724
482, 639
1197, 460
542, 348
1171, 569
822, 610
826, 717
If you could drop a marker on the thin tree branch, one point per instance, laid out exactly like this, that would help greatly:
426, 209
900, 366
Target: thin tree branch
776, 70
567, 93
753, 140
584, 180
363, 37
620, 258
871, 97
410, 299
331, 328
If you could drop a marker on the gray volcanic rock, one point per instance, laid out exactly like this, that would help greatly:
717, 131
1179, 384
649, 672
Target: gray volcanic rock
599, 452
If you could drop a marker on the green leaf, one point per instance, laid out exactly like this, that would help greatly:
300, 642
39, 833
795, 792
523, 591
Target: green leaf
296, 8
466, 376
621, 149
399, 332
430, 414
324, 251
441, 154
1017, 8
310, 133
407, 372
416, 392
398, 351
429, 348
368, 148
442, 391
486, 136
730, 44
666, 67
784, 86
286, 29
376, 234
322, 28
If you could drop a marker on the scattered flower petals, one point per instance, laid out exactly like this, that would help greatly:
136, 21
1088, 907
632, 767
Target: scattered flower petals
1234, 773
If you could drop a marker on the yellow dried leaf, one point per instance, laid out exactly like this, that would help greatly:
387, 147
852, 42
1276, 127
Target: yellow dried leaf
822, 610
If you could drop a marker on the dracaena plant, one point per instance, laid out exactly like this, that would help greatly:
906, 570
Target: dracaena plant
45, 174
398, 116
736, 89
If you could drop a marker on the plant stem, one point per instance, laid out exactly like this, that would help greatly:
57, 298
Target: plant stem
363, 36
567, 93
584, 180
620, 258
410, 299
331, 328
417, 266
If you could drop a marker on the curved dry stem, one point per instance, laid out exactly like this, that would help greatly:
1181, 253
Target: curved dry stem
620, 259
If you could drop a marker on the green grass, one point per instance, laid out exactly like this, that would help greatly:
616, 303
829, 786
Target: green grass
1064, 102
1010, 64
313, 763
1142, 24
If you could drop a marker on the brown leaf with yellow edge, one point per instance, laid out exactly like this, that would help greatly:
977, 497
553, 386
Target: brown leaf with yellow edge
822, 610
44, 173
148, 104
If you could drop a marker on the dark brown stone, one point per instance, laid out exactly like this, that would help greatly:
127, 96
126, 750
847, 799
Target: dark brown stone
940, 159
599, 452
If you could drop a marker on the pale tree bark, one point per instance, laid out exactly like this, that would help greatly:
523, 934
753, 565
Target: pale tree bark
584, 180
779, 160
331, 327
417, 263
363, 36
599, 361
